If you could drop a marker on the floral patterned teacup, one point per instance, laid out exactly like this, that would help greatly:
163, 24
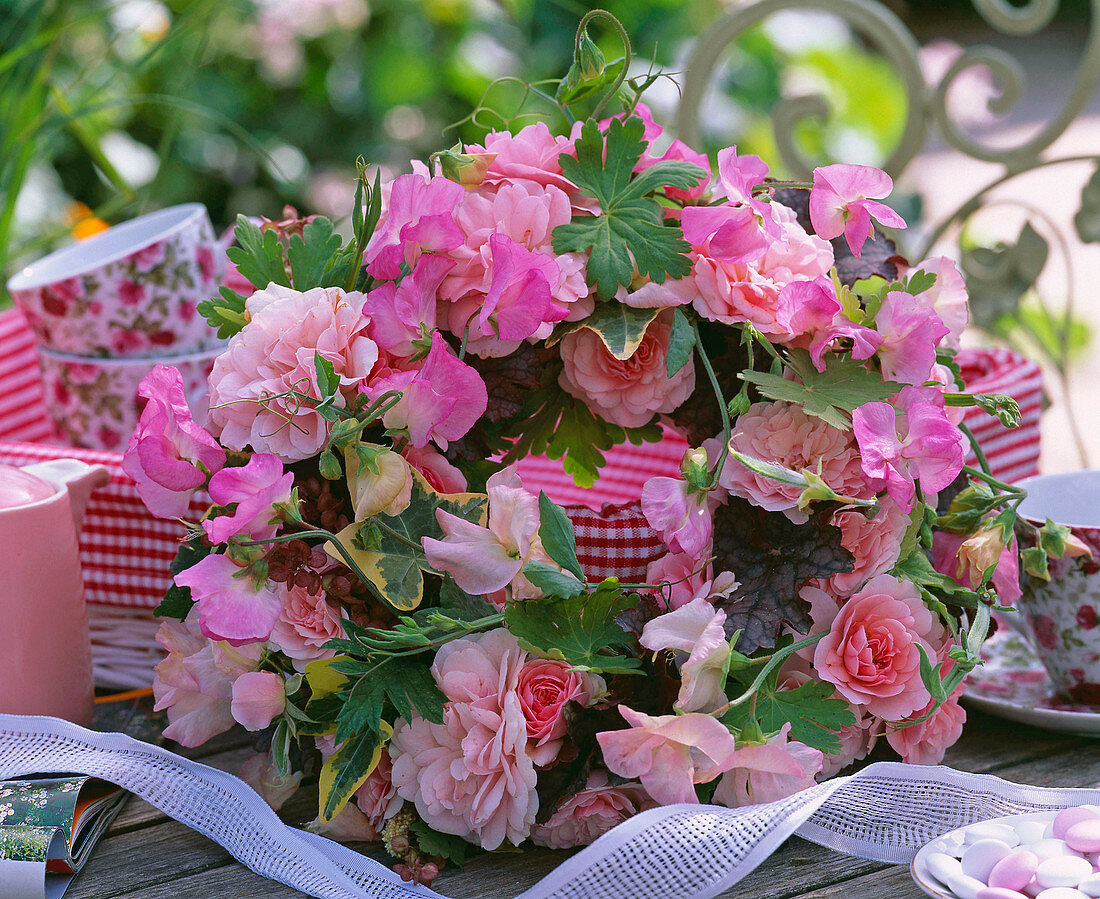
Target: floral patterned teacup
130, 291
94, 402
1063, 614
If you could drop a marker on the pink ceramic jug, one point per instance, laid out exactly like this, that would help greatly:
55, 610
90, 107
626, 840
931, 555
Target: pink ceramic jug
45, 652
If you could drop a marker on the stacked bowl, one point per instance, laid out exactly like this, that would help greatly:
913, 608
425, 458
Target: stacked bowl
106, 310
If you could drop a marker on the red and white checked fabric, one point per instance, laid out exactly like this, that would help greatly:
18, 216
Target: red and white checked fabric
126, 552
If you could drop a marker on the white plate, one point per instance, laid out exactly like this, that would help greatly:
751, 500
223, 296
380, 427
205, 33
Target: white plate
951, 844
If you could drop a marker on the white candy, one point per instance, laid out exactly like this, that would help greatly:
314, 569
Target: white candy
1030, 831
1090, 886
1062, 871
979, 858
1061, 893
966, 887
1050, 848
943, 866
988, 830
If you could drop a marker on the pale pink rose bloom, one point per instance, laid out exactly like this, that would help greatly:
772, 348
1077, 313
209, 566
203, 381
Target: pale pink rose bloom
1006, 576
190, 686
259, 697
228, 607
440, 402
871, 650
529, 155
544, 687
683, 582
377, 799
696, 629
274, 354
927, 742
910, 331
590, 813
680, 515
256, 488
418, 217
471, 776
625, 392
948, 297
783, 434
403, 315
769, 771
440, 474
669, 753
843, 201
749, 292
486, 559
169, 449
260, 773
305, 624
875, 544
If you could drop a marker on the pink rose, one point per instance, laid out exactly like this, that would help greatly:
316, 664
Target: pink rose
870, 653
256, 488
229, 608
440, 474
377, 799
471, 775
190, 686
783, 434
927, 742
591, 812
275, 354
625, 392
669, 754
767, 772
875, 544
544, 687
169, 455
305, 624
682, 581
259, 697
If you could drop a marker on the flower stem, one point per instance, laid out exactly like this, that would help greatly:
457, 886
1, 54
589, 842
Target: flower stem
627, 55
722, 408
774, 662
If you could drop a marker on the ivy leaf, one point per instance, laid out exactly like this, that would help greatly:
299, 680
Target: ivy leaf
582, 631
681, 341
773, 559
814, 711
226, 313
347, 769
630, 233
1087, 219
997, 277
312, 253
557, 535
621, 328
442, 845
830, 395
551, 581
259, 256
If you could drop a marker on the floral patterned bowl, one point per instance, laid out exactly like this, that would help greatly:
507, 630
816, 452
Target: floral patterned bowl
131, 291
95, 402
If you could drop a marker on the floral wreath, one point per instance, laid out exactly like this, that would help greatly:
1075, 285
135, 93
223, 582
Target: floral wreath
376, 595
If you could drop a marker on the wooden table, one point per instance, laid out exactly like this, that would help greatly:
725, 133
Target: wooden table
148, 856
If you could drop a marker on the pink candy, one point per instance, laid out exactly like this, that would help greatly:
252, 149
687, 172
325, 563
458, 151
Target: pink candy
1014, 872
1066, 818
1084, 836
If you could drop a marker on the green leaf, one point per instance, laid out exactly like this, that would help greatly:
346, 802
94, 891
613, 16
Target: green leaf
830, 395
551, 581
404, 682
581, 630
226, 313
998, 277
346, 770
312, 253
177, 602
621, 328
557, 535
457, 603
441, 845
1087, 219
814, 711
630, 233
327, 380
680, 343
259, 258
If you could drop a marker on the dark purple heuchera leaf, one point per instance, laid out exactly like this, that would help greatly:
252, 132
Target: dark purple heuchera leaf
879, 256
772, 559
510, 380
698, 417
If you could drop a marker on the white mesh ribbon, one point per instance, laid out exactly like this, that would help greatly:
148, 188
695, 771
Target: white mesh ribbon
885, 812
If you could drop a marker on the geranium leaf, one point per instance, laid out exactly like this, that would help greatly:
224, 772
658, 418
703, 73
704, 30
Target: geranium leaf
630, 233
551, 581
312, 253
830, 395
814, 711
681, 341
226, 313
773, 559
259, 256
346, 771
442, 845
557, 535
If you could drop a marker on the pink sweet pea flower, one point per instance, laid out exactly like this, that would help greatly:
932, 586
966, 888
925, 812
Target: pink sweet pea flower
419, 218
695, 628
681, 581
403, 315
518, 301
440, 402
189, 685
769, 771
915, 441
229, 607
811, 307
738, 175
842, 201
486, 559
948, 297
255, 488
730, 233
259, 697
669, 753
910, 331
679, 514
170, 455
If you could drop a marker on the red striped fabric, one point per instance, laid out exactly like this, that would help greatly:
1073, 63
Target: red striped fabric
125, 552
